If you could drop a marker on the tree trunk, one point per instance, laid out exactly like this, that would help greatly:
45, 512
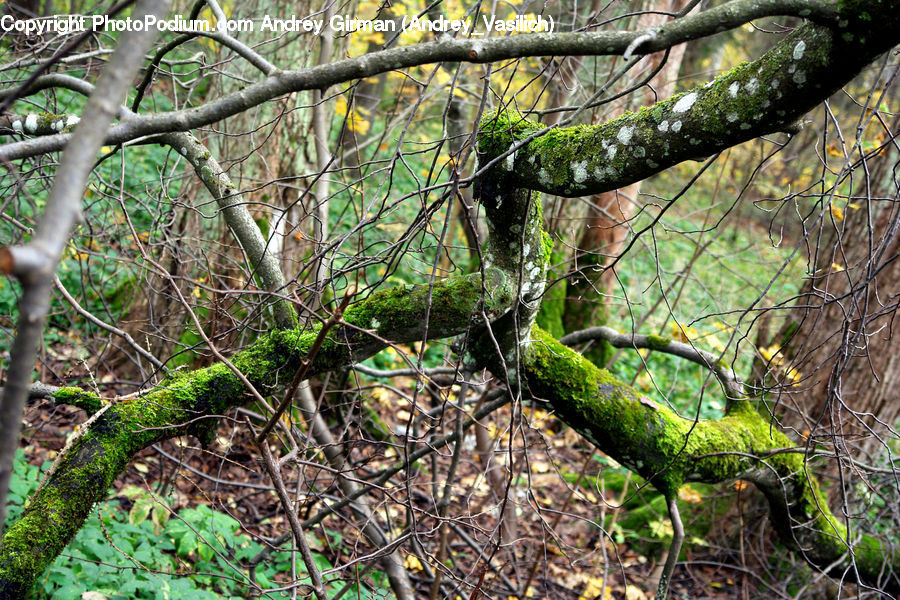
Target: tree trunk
840, 337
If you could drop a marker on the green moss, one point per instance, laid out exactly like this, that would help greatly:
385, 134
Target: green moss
657, 341
74, 396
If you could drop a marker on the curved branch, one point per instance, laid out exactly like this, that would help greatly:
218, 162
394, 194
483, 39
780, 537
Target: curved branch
734, 388
765, 96
715, 20
668, 450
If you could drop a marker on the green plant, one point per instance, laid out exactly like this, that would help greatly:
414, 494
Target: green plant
195, 554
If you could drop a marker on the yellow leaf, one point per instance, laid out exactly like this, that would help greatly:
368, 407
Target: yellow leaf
376, 37
837, 268
740, 485
690, 495
661, 529
340, 107
681, 333
837, 212
593, 589
357, 124
772, 354
632, 592
413, 563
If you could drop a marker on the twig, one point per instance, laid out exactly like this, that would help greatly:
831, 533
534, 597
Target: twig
674, 548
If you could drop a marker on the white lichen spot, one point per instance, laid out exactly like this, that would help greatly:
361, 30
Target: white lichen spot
774, 84
752, 86
733, 89
664, 126
611, 152
510, 162
676, 126
624, 135
800, 77
639, 152
31, 122
745, 126
57, 125
511, 159
526, 250
375, 323
17, 125
531, 159
792, 68
183, 151
685, 103
799, 49
516, 228
732, 117
544, 177
652, 163
579, 171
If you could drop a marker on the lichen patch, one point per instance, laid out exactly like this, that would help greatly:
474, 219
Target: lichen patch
685, 103
624, 135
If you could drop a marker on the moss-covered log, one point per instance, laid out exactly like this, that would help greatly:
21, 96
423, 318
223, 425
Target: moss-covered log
191, 403
669, 450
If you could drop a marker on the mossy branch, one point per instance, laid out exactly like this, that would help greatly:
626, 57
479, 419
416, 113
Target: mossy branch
754, 99
669, 450
191, 403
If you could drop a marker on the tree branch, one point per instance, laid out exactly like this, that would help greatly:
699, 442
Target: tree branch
191, 403
63, 210
668, 450
695, 26
734, 388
